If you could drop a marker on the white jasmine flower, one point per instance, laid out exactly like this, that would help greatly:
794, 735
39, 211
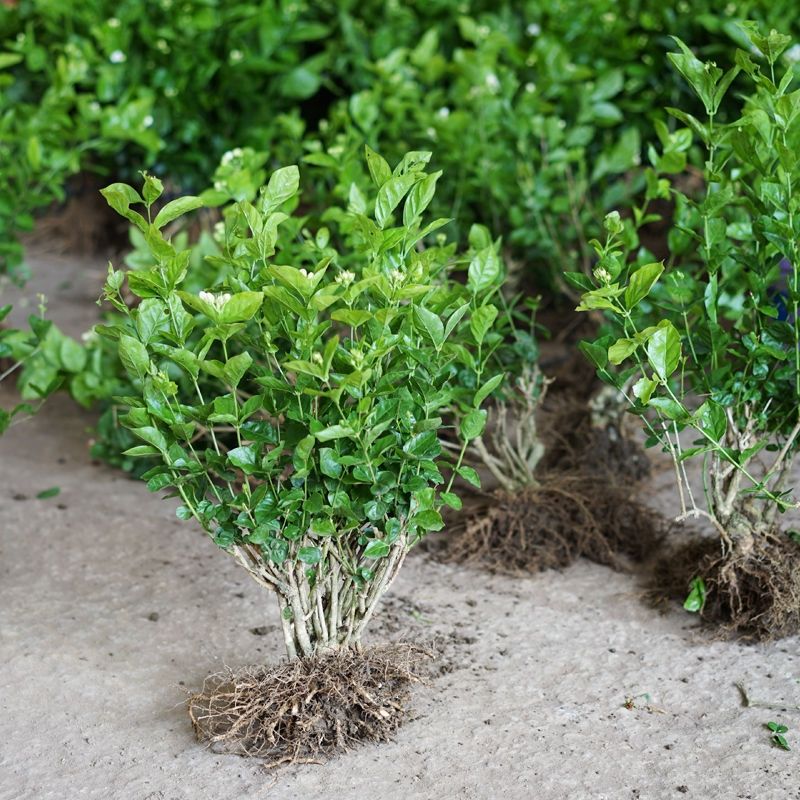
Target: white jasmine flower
113, 22
395, 276
533, 29
219, 230
493, 82
345, 278
162, 45
218, 301
236, 56
602, 275
232, 155
147, 121
316, 358
530, 87
793, 54
304, 273
443, 112
117, 57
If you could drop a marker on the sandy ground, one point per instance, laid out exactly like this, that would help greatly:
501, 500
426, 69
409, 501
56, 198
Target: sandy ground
110, 608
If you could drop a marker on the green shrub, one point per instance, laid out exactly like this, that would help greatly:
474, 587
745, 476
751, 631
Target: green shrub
311, 448
710, 345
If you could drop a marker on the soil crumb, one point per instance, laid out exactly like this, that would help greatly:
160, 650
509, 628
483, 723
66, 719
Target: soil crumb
310, 709
754, 595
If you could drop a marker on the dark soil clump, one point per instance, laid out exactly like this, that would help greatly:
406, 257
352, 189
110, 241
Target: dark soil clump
551, 526
753, 594
307, 710
576, 442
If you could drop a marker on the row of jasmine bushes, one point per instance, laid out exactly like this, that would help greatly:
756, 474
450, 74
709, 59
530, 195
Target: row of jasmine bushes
320, 383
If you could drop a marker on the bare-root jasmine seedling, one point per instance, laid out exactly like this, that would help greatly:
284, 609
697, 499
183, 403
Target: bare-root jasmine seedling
707, 347
310, 450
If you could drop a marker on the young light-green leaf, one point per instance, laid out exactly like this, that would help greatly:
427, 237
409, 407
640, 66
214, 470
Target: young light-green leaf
664, 350
641, 282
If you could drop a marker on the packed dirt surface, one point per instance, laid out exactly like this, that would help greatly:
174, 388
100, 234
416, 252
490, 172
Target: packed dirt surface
560, 685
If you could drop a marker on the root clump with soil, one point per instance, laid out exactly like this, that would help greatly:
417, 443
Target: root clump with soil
752, 593
551, 525
309, 709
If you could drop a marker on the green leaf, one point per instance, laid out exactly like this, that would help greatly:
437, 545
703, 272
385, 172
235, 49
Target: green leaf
481, 321
283, 184
430, 325
472, 424
376, 549
328, 463
379, 169
696, 599
596, 353
454, 319
176, 208
712, 420
470, 476
334, 432
309, 555
423, 445
664, 350
487, 389
141, 450
241, 307
390, 194
153, 188
322, 526
641, 282
643, 389
120, 196
352, 317
134, 356
621, 349
429, 520
236, 368
668, 407
53, 491
700, 77
484, 270
302, 453
72, 355
452, 500
419, 198
153, 436
244, 458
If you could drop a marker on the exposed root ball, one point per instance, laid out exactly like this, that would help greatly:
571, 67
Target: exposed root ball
574, 444
753, 594
551, 526
308, 709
